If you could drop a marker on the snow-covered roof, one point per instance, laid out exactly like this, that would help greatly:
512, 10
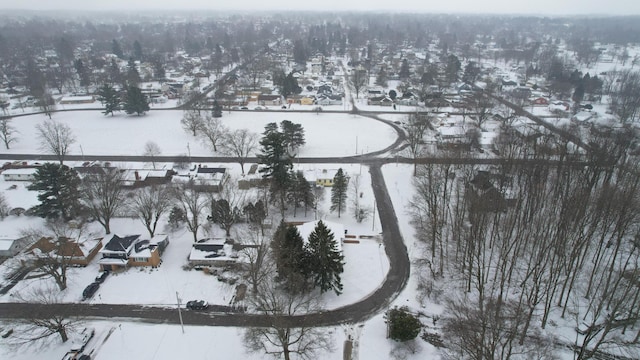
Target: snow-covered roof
5, 244
216, 249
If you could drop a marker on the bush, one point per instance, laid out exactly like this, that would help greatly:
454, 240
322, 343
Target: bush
403, 326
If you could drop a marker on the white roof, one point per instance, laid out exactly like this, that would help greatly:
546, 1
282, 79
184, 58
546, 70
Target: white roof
77, 98
26, 171
112, 261
5, 244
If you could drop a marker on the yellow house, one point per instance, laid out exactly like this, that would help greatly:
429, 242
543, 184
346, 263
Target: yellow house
307, 100
325, 177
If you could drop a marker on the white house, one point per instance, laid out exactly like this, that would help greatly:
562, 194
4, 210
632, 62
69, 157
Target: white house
27, 174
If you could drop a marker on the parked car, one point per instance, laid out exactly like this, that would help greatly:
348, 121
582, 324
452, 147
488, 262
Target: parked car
197, 305
82, 339
244, 108
102, 276
90, 290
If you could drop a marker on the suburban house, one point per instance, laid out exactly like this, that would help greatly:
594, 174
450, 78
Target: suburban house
270, 99
79, 253
10, 247
540, 101
253, 178
210, 179
213, 252
26, 174
317, 177
380, 100
71, 100
121, 252
132, 178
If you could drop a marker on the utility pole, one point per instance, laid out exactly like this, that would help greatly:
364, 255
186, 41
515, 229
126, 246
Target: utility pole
180, 312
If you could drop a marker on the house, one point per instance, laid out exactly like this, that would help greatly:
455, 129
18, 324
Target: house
26, 174
213, 252
253, 178
133, 178
79, 253
380, 100
72, 100
10, 247
330, 100
307, 100
266, 100
210, 179
540, 101
325, 177
121, 252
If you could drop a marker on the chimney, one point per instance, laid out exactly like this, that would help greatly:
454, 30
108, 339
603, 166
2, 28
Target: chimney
137, 175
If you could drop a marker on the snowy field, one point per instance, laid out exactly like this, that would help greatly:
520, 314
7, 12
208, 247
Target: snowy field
96, 134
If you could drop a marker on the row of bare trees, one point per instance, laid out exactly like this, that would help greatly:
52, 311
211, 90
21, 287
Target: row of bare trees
531, 245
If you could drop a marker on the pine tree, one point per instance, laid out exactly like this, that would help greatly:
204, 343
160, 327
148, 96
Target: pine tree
324, 259
110, 98
301, 193
217, 110
133, 76
403, 326
288, 248
277, 161
339, 192
135, 101
293, 134
58, 191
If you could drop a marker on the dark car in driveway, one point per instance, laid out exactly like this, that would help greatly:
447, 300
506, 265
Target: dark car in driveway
102, 276
90, 290
197, 305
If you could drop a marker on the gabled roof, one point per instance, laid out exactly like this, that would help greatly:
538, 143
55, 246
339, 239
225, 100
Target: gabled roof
119, 244
208, 170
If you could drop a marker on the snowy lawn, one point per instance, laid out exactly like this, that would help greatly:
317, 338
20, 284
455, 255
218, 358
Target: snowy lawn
96, 134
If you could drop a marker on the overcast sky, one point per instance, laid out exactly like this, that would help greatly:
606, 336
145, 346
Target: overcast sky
546, 7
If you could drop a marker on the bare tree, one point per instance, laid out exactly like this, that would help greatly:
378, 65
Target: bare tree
360, 212
150, 203
53, 255
103, 195
151, 150
624, 96
191, 200
283, 338
56, 138
227, 205
39, 328
7, 132
416, 128
239, 143
258, 267
192, 121
4, 206
212, 131
359, 80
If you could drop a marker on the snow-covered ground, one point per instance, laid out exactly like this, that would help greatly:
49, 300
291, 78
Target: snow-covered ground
97, 134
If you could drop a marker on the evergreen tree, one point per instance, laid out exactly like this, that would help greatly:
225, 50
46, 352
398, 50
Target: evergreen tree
57, 187
114, 73
217, 110
116, 49
293, 134
324, 259
452, 68
277, 161
109, 98
223, 215
301, 193
403, 326
83, 73
339, 192
137, 50
404, 70
133, 76
135, 101
288, 249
